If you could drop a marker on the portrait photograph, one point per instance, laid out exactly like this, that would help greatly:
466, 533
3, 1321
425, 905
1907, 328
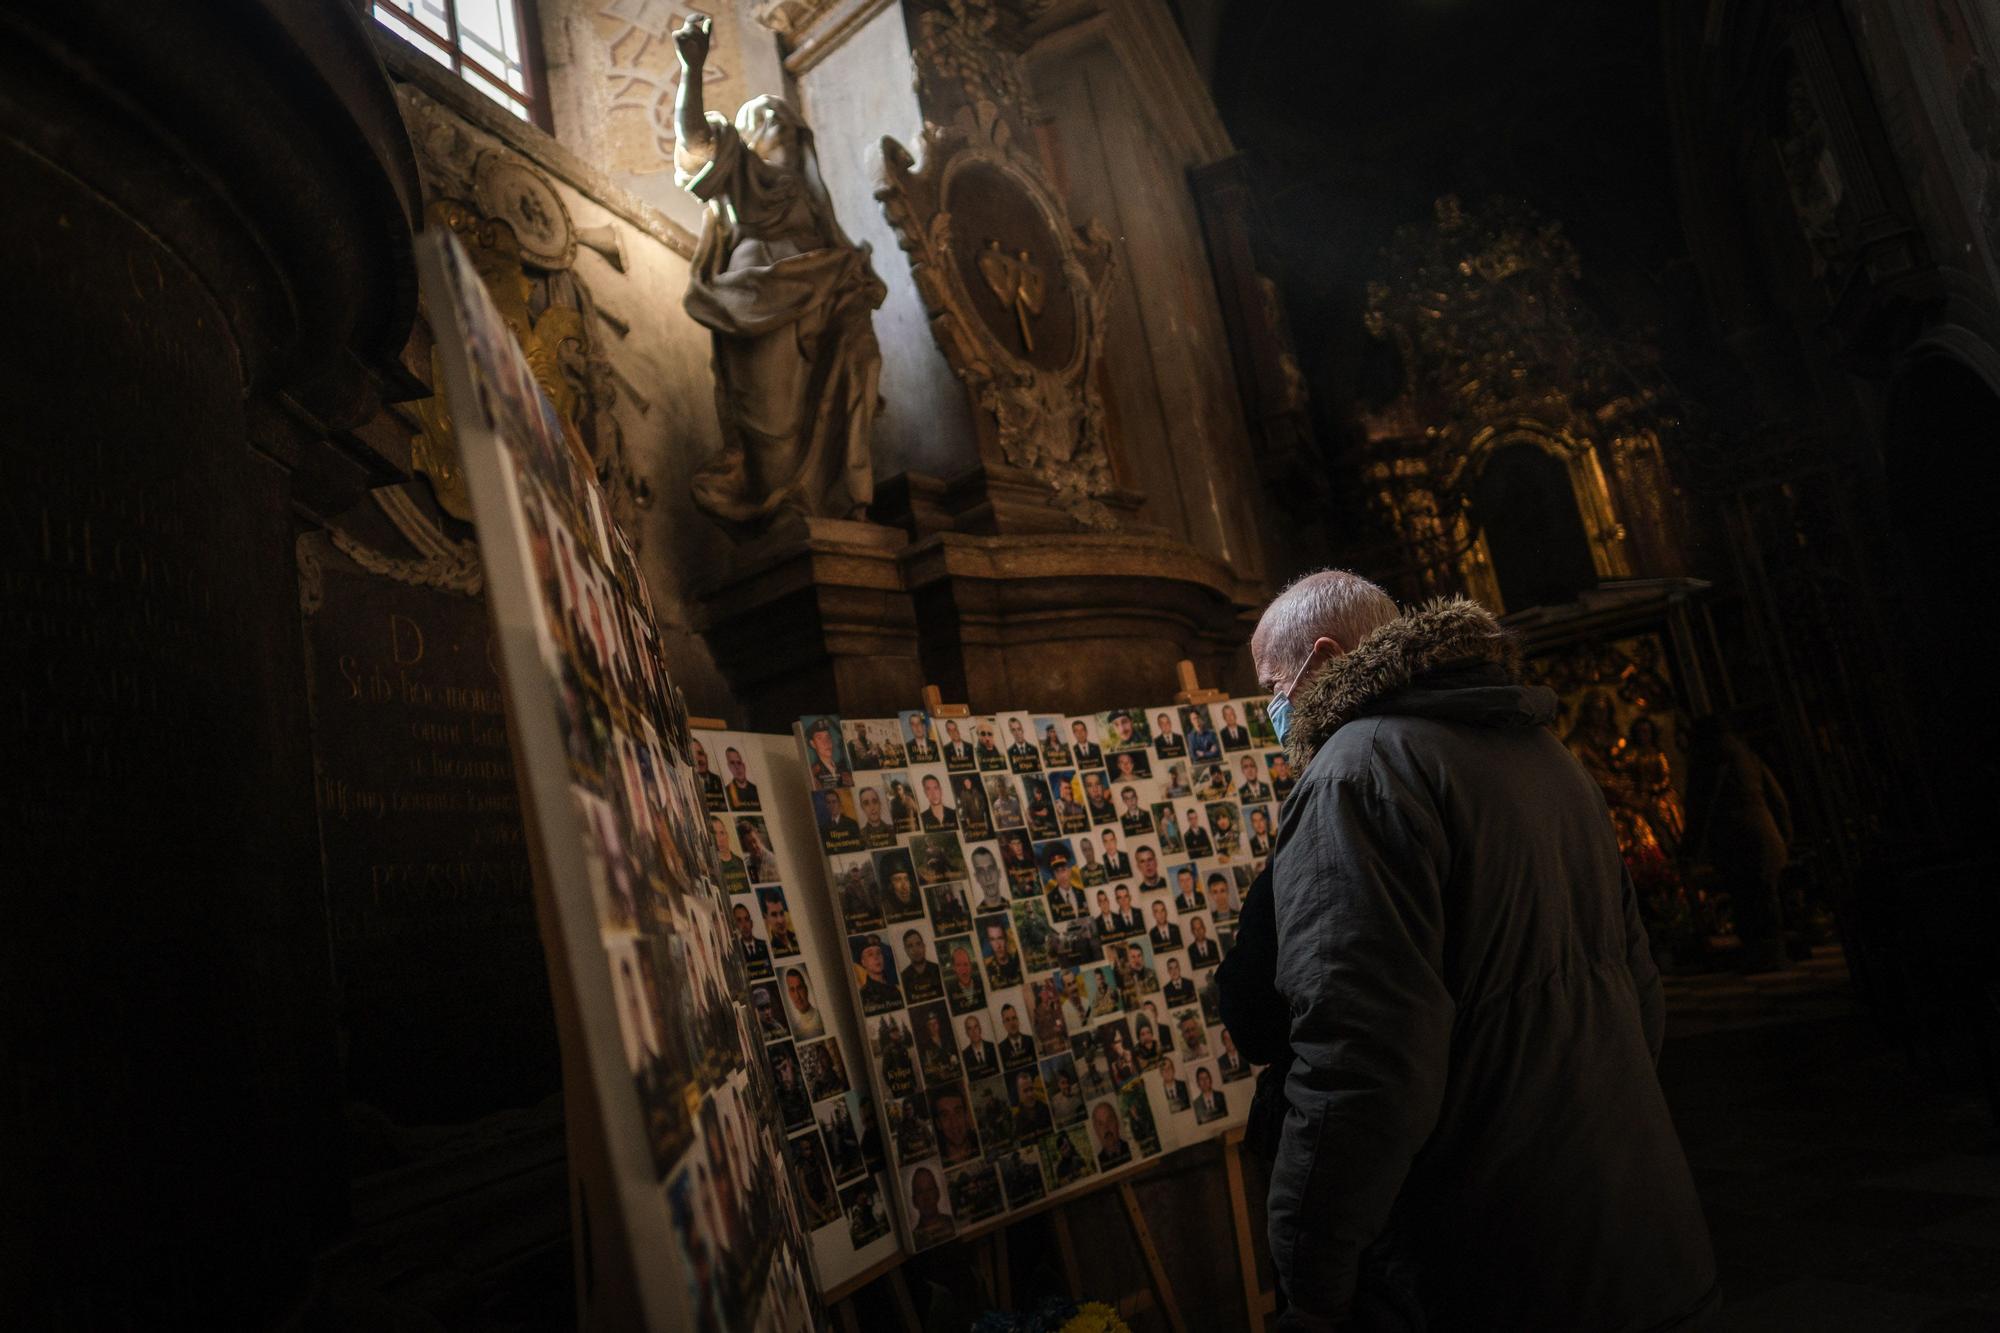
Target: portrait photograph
1093, 1065
1035, 934
815, 1181
1107, 1136
910, 1128
987, 751
964, 986
998, 951
769, 1011
1225, 828
1018, 863
1257, 717
1176, 982
855, 891
1209, 1101
1212, 781
975, 1192
1203, 951
867, 1218
956, 745
740, 791
901, 898
895, 1049
1021, 1177
1066, 789
1084, 748
826, 755
975, 819
1132, 960
1167, 828
1135, 1110
950, 912
1029, 1097
1167, 742
989, 880
753, 948
936, 814
1003, 802
993, 1114
1193, 1032
1235, 736
1113, 1040
929, 1213
778, 930
824, 1068
802, 1011
871, 811
1052, 734
951, 1120
1067, 1156
1075, 943
917, 970
1124, 729
1198, 729
938, 857
833, 817
1017, 737
920, 741
874, 973
794, 1106
1065, 1089
1041, 805
760, 858
1045, 1015
901, 794
936, 1044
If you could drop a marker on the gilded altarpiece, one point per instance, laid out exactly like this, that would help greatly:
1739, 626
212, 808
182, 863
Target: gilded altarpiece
1484, 309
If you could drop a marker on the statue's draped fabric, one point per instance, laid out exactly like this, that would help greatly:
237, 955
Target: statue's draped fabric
788, 298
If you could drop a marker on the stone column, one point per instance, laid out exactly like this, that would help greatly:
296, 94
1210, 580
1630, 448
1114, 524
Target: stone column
207, 227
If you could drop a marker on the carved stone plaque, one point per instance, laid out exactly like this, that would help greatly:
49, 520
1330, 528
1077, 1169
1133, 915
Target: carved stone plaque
445, 1005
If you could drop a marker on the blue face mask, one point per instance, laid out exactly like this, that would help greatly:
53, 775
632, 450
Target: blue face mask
1280, 713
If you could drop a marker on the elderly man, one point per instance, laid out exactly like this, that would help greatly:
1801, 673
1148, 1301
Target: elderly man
1474, 1013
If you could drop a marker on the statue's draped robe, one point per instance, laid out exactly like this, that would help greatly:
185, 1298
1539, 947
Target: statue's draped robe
788, 298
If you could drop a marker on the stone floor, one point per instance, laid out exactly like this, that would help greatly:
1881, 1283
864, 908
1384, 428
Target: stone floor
1844, 1192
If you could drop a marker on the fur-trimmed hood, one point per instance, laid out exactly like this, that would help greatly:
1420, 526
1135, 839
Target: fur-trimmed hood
1448, 634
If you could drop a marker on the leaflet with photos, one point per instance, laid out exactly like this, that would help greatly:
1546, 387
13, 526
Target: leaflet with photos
1034, 907
770, 862
689, 1111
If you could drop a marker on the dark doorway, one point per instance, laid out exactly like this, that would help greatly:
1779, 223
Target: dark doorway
1943, 470
1524, 505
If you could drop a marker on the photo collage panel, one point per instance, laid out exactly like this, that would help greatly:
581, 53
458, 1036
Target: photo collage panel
833, 1139
703, 1101
1034, 908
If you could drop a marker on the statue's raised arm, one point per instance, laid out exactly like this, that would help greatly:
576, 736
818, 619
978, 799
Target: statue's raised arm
694, 142
788, 298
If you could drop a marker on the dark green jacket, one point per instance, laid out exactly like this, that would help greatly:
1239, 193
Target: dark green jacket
1474, 1013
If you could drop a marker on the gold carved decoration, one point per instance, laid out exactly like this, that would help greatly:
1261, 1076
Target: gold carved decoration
1016, 293
544, 338
1498, 348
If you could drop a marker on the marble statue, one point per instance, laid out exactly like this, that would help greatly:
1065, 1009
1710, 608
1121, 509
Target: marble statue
788, 298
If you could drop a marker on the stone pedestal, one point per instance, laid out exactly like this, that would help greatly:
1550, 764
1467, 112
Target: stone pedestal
812, 613
1073, 623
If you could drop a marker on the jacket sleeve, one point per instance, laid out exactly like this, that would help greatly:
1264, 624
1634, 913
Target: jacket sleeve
1645, 976
1360, 940
1252, 1009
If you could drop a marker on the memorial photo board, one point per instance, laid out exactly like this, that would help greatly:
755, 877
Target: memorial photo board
680, 1168
786, 930
1033, 908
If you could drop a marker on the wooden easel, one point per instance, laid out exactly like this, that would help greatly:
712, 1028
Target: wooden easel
1191, 686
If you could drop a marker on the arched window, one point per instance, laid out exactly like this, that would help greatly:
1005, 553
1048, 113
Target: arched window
491, 44
1525, 507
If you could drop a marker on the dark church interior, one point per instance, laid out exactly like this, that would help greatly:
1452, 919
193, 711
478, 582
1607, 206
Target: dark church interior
1665, 331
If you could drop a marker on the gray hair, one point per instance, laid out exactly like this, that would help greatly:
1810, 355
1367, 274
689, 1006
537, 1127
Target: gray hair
1329, 603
